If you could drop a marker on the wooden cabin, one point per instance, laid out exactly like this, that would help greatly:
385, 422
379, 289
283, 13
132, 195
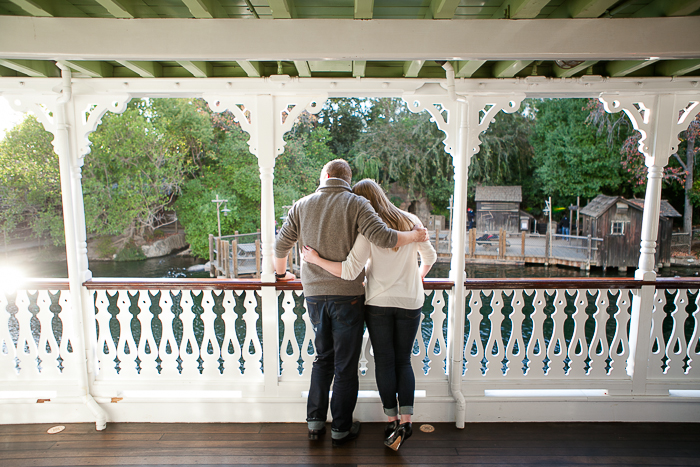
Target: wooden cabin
498, 207
618, 222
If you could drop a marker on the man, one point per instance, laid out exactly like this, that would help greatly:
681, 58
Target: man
329, 221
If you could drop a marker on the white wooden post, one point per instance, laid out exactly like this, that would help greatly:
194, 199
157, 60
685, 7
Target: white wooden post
474, 114
657, 118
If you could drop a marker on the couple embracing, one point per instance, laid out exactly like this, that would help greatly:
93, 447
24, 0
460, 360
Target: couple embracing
344, 231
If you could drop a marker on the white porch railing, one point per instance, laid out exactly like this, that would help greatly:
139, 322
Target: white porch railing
192, 350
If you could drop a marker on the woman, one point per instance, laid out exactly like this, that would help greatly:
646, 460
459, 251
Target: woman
394, 298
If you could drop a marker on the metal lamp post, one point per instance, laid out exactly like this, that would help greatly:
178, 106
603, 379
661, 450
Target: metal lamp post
219, 210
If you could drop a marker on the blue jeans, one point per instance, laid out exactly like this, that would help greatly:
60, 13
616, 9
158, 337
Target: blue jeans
393, 332
338, 323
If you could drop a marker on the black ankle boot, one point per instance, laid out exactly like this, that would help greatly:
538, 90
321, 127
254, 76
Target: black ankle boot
402, 433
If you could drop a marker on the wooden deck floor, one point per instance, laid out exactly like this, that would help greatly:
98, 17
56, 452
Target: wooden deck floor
502, 444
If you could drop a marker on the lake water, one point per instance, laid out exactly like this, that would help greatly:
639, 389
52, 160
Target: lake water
178, 266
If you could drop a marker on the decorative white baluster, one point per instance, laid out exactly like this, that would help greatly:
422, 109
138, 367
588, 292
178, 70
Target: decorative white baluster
168, 350
599, 351
473, 349
578, 346
693, 344
289, 349
515, 350
536, 349
365, 352
8, 352
26, 346
148, 348
231, 348
189, 349
437, 339
493, 360
252, 348
657, 347
127, 350
308, 341
619, 345
556, 350
210, 351
676, 349
48, 347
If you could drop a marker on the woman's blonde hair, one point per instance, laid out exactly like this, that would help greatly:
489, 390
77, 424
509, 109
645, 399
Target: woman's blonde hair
393, 216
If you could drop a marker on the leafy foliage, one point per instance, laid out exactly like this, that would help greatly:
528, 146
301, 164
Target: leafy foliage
570, 157
30, 188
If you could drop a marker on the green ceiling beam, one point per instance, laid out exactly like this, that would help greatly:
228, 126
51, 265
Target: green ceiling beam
364, 9
583, 8
411, 69
569, 72
465, 69
281, 9
198, 8
117, 8
33, 68
443, 9
677, 67
4, 71
625, 67
32, 8
359, 68
508, 69
589, 8
302, 68
520, 9
252, 69
90, 68
668, 8
143, 69
197, 69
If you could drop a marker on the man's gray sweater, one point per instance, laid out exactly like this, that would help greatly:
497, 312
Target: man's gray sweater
329, 221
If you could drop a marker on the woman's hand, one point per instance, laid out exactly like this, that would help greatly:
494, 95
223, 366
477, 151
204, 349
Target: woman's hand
310, 255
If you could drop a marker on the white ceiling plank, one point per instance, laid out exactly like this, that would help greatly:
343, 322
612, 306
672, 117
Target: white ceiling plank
32, 8
364, 9
117, 8
443, 9
569, 72
198, 8
90, 68
677, 67
510, 68
193, 39
342, 66
252, 69
281, 9
412, 68
33, 68
359, 68
143, 69
302, 68
625, 67
465, 69
198, 69
520, 9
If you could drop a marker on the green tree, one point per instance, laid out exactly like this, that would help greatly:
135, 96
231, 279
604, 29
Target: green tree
30, 188
570, 157
344, 119
130, 176
401, 147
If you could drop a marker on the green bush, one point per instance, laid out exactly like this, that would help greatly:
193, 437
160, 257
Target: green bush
130, 252
105, 247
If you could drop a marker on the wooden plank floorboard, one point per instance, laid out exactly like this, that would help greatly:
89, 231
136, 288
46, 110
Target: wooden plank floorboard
279, 444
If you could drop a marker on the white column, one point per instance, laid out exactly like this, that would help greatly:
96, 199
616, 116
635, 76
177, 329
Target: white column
76, 246
656, 116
